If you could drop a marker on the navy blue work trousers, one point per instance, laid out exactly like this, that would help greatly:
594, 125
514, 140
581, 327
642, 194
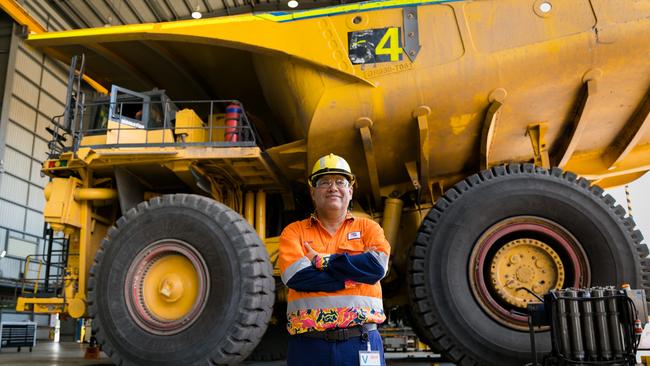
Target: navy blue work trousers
305, 351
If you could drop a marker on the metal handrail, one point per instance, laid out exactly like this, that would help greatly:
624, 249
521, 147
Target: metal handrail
26, 271
35, 282
242, 134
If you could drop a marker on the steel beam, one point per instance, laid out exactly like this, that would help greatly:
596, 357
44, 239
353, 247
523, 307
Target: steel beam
154, 7
73, 13
421, 114
115, 11
172, 10
566, 144
537, 134
134, 11
97, 13
412, 170
363, 125
487, 135
21, 16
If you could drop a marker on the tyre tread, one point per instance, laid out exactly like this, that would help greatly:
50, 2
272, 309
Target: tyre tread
434, 332
251, 321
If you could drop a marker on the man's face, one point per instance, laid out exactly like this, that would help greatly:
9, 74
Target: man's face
331, 192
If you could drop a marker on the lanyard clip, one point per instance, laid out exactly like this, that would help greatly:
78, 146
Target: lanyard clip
364, 336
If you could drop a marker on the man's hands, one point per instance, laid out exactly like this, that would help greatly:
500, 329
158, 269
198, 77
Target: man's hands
321, 261
318, 260
310, 253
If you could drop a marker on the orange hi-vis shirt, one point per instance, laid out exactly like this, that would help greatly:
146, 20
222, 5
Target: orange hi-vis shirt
347, 292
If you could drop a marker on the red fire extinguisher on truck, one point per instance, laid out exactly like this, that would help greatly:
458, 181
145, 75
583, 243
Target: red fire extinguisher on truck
233, 116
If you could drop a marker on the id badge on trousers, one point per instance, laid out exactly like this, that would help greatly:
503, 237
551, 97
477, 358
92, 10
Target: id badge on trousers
369, 357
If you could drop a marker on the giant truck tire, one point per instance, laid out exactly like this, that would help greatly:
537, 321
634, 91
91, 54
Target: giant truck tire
506, 229
180, 280
275, 342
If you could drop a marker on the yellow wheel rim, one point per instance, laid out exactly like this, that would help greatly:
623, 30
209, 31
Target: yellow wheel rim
167, 287
170, 287
523, 266
520, 256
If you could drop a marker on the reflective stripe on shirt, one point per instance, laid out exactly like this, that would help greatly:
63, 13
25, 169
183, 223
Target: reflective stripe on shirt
329, 302
294, 268
381, 258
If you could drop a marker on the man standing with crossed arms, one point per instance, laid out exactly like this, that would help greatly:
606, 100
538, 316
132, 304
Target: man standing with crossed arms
332, 263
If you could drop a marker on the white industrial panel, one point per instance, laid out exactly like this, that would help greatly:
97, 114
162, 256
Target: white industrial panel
59, 68
10, 268
14, 189
19, 247
19, 138
41, 246
35, 54
16, 317
34, 95
41, 123
34, 223
54, 86
16, 163
37, 177
36, 198
25, 90
12, 216
50, 107
22, 114
40, 151
42, 320
27, 65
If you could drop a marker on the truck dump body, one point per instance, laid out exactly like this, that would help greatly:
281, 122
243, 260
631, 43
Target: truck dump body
480, 133
581, 68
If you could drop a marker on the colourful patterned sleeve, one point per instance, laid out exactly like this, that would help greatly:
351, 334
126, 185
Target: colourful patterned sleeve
321, 261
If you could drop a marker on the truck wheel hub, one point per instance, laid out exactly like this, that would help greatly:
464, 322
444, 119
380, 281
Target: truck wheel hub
525, 264
171, 287
166, 287
520, 255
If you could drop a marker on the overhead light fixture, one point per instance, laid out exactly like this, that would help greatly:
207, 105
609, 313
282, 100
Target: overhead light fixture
196, 14
545, 7
292, 4
2, 255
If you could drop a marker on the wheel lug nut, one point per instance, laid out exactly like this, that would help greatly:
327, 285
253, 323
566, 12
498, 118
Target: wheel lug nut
514, 259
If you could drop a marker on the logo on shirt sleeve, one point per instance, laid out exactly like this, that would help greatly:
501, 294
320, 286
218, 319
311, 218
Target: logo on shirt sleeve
354, 235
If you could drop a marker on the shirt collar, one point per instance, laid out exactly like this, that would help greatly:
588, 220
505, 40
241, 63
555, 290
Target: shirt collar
313, 219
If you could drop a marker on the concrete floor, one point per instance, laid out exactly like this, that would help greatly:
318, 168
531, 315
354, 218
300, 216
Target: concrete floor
51, 354
71, 353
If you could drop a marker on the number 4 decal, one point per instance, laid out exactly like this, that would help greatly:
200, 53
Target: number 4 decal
390, 44
375, 45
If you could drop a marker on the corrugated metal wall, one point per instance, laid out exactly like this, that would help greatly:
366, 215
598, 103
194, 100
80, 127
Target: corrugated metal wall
34, 92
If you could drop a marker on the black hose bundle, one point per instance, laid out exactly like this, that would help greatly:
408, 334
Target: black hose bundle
596, 326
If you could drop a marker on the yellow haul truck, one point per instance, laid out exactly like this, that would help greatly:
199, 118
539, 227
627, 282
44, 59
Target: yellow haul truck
481, 133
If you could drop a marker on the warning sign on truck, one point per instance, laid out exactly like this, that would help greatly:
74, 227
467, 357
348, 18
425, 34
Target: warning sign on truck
375, 45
